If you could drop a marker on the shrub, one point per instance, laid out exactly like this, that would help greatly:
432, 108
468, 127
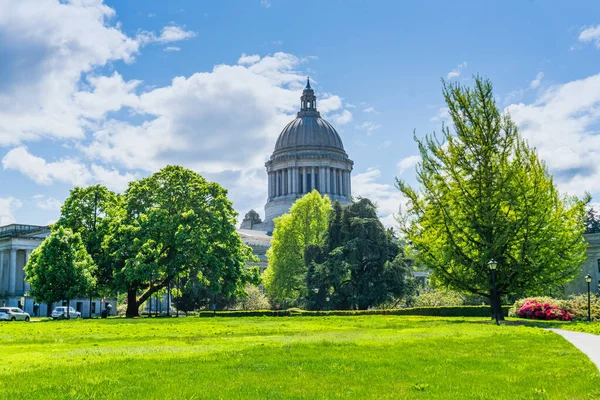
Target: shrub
575, 306
255, 300
458, 311
532, 309
514, 310
437, 297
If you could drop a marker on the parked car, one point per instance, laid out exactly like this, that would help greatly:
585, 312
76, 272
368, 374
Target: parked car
61, 313
13, 314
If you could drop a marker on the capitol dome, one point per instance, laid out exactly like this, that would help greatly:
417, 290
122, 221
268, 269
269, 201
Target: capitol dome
309, 155
308, 131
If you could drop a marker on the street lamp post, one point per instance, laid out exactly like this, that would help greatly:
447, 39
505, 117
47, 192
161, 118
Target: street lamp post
588, 279
493, 265
25, 301
316, 290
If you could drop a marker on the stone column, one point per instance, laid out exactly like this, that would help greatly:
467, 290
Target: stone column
270, 185
312, 178
339, 181
290, 186
26, 285
345, 177
294, 180
303, 180
349, 183
327, 180
2, 276
12, 271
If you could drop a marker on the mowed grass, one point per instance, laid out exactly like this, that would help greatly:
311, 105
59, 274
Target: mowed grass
366, 357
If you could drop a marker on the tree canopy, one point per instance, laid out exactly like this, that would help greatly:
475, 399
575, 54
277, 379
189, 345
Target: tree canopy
359, 265
88, 212
285, 278
60, 268
174, 223
484, 194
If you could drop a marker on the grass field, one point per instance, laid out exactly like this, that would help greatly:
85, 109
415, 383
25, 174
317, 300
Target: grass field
367, 357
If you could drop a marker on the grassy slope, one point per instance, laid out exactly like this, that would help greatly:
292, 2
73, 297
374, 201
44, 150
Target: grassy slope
370, 357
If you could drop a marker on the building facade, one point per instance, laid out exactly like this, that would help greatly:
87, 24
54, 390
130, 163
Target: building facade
309, 154
16, 244
591, 267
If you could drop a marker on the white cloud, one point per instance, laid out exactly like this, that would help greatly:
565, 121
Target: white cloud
342, 118
369, 127
388, 198
8, 205
385, 144
370, 109
46, 203
60, 85
537, 81
265, 3
71, 171
407, 163
455, 73
591, 34
172, 48
168, 34
112, 178
329, 103
247, 59
563, 125
443, 114
37, 169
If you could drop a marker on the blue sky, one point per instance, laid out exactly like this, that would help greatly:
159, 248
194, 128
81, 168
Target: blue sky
106, 92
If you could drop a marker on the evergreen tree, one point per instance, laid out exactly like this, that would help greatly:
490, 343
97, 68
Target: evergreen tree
485, 195
592, 221
360, 265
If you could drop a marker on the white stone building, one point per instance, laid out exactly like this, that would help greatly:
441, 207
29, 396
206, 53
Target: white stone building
16, 244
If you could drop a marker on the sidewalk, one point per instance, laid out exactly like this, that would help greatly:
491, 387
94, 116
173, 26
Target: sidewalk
589, 344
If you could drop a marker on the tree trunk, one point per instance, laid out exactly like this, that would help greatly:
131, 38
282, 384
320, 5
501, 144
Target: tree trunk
495, 307
132, 304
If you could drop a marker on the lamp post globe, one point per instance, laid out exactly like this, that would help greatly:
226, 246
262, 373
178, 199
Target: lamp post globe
493, 265
588, 279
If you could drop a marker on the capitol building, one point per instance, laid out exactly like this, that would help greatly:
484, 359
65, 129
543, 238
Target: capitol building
309, 154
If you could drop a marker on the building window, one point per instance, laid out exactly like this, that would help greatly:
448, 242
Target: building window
317, 181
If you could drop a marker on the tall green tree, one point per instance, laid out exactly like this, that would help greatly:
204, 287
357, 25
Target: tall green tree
285, 278
484, 194
592, 221
175, 223
60, 268
360, 265
88, 212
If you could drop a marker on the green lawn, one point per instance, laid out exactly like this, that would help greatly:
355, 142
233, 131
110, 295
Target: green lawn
366, 357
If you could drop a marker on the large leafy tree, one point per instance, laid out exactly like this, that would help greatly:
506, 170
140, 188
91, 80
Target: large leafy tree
88, 212
174, 223
60, 268
486, 195
360, 265
285, 278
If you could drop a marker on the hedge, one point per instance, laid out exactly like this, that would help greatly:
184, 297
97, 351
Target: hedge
454, 311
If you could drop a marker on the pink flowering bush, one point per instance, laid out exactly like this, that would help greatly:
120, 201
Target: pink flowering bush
533, 309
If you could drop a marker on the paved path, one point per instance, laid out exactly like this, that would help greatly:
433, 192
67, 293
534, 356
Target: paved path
586, 342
